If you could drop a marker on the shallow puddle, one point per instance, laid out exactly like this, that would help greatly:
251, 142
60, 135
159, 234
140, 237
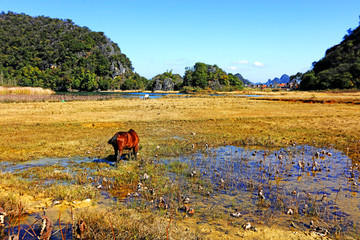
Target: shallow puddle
316, 184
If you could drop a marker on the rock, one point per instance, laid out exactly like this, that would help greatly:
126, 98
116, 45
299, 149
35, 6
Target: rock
145, 176
261, 194
168, 84
163, 85
237, 214
246, 226
140, 187
290, 212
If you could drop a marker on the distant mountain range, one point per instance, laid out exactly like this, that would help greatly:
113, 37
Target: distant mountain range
283, 79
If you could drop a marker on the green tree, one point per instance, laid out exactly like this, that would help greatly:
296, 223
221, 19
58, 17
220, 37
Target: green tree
308, 81
199, 78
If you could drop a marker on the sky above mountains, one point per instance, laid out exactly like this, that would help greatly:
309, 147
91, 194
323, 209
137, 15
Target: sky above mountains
260, 39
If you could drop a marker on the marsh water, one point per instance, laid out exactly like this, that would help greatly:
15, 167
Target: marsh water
122, 94
317, 184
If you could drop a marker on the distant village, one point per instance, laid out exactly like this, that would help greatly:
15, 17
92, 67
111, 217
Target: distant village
282, 83
281, 86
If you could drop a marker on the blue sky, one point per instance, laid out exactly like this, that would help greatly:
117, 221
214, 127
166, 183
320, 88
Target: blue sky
260, 39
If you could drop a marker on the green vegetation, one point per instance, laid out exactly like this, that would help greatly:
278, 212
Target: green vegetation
339, 69
211, 76
57, 54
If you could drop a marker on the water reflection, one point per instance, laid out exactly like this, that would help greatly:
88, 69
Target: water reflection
141, 95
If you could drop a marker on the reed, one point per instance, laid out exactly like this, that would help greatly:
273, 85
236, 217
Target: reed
118, 223
25, 91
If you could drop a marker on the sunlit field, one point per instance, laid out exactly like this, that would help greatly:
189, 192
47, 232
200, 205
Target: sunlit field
174, 132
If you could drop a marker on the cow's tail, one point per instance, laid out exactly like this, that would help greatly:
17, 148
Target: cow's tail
113, 139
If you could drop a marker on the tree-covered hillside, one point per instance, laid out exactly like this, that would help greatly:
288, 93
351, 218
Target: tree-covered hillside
339, 69
57, 54
242, 79
210, 76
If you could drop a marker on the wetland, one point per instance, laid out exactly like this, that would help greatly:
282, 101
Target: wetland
209, 167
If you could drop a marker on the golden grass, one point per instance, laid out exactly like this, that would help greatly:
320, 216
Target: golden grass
82, 128
118, 223
15, 192
332, 96
38, 129
25, 90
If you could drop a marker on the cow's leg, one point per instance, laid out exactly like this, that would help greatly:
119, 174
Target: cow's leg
136, 149
116, 150
119, 155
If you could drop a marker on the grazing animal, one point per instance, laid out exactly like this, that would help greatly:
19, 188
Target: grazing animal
146, 96
125, 140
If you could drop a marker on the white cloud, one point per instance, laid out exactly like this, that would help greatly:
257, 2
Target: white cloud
258, 64
233, 68
242, 62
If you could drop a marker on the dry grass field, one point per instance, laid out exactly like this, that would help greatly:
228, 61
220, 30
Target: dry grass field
167, 126
78, 128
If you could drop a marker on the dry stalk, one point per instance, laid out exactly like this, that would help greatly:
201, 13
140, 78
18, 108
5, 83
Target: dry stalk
112, 228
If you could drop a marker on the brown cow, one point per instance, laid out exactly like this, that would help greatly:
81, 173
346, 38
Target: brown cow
125, 140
